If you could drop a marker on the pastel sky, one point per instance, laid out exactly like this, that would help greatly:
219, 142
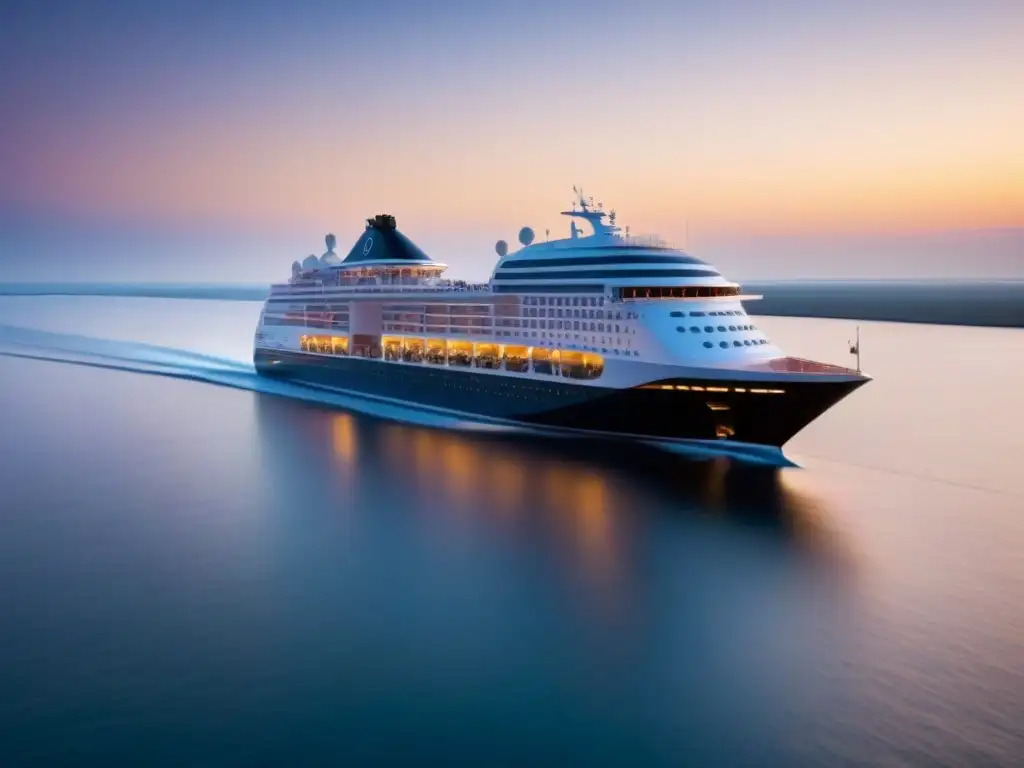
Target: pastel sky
771, 127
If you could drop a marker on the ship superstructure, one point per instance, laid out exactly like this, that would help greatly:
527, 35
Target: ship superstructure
601, 332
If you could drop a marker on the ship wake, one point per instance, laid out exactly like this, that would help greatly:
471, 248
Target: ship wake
142, 358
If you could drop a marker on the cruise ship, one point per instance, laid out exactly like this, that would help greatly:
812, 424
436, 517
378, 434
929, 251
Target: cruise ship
600, 333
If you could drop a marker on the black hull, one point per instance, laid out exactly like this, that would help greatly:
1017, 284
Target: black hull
644, 412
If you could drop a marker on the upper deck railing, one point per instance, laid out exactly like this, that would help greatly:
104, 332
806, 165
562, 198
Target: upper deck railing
645, 241
802, 365
386, 285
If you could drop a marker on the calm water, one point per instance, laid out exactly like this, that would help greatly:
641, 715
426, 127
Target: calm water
197, 574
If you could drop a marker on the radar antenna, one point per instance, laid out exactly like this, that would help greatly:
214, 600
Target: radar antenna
855, 348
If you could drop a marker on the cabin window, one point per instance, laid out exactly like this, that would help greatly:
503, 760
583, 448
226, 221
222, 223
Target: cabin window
436, 352
581, 365
392, 347
487, 356
675, 292
460, 353
517, 359
412, 350
544, 361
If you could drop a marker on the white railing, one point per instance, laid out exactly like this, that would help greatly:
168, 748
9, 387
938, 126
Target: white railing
450, 287
650, 241
803, 365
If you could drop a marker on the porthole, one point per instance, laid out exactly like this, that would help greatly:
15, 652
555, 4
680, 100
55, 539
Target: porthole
709, 329
746, 342
708, 344
680, 329
696, 314
677, 314
736, 343
732, 327
721, 328
694, 329
723, 344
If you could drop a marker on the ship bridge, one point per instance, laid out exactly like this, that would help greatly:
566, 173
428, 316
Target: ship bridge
605, 260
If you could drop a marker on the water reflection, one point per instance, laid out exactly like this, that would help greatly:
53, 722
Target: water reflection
611, 571
593, 497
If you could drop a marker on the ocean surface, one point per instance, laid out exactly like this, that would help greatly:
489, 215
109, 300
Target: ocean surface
198, 567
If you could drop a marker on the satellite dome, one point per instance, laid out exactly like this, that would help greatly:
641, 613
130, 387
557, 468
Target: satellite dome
525, 235
311, 262
296, 268
501, 248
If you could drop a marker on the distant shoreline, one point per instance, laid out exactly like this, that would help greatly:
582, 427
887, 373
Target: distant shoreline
941, 302
948, 302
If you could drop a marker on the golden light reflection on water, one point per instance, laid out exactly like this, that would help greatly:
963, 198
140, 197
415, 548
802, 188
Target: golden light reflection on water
343, 434
502, 481
593, 523
715, 487
589, 500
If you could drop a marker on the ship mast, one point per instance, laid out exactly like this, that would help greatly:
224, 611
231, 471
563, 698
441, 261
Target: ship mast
591, 212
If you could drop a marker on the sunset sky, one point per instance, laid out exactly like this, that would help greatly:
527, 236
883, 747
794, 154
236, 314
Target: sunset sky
800, 133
